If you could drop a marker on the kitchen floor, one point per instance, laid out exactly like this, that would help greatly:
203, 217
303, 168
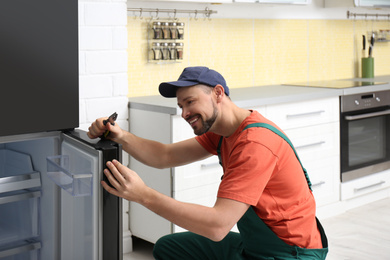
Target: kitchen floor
359, 234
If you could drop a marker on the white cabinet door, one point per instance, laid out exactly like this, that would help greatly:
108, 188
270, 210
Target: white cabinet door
190, 1
372, 3
365, 185
315, 142
294, 115
305, 2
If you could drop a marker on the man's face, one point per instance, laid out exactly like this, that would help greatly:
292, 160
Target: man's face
198, 107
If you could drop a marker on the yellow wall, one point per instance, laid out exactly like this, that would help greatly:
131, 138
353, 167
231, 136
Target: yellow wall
254, 52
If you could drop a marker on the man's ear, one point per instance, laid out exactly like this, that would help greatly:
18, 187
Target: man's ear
219, 91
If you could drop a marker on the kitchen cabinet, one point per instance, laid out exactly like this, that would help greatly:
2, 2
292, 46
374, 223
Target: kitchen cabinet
274, 1
366, 189
313, 128
358, 3
190, 1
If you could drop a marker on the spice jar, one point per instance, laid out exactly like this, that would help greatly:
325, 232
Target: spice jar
165, 51
172, 51
173, 30
179, 50
156, 52
157, 30
180, 30
165, 30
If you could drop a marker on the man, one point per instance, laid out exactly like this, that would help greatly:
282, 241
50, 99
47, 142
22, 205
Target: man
264, 189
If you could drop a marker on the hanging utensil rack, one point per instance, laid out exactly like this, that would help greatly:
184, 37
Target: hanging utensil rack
381, 35
207, 12
366, 15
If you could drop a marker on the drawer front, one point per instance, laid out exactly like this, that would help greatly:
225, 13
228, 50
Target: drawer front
197, 174
205, 195
315, 142
365, 185
324, 175
293, 115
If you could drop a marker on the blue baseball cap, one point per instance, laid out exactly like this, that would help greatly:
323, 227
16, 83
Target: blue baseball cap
192, 76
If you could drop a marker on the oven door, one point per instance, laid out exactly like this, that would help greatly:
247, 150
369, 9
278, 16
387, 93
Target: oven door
365, 142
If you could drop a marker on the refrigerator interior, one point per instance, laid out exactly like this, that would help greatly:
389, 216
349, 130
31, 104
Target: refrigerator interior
38, 219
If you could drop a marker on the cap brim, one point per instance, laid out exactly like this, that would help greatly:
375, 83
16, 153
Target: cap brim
168, 89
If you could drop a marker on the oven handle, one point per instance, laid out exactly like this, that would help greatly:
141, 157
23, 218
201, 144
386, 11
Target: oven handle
381, 113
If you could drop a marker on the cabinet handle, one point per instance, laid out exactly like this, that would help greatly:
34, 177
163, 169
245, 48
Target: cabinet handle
369, 186
209, 165
318, 184
309, 145
306, 114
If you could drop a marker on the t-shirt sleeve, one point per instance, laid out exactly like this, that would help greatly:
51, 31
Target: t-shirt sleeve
209, 141
248, 173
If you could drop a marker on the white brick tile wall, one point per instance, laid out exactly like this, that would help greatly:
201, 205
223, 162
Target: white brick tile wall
103, 60
95, 38
95, 86
105, 13
111, 61
103, 70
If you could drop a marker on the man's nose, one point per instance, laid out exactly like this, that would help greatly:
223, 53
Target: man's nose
184, 113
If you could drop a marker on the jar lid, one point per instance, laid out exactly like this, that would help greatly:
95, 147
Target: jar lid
172, 24
180, 44
156, 44
172, 44
165, 23
164, 44
180, 24
157, 23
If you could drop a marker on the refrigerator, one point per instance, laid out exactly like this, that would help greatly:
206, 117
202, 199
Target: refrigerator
52, 205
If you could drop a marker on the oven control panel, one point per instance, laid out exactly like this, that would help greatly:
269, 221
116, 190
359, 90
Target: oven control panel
365, 101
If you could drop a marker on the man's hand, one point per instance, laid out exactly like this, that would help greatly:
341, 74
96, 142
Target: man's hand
98, 128
127, 184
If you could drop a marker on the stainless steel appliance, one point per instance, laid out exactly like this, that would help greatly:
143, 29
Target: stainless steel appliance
52, 205
365, 134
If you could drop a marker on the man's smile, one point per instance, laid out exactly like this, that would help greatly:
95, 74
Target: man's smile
193, 120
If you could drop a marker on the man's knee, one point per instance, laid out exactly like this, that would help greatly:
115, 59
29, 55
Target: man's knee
163, 247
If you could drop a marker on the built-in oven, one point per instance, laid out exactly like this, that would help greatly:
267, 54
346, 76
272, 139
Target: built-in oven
365, 134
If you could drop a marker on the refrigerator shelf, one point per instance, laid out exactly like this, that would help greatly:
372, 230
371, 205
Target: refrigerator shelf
16, 172
21, 250
74, 181
20, 182
19, 219
15, 196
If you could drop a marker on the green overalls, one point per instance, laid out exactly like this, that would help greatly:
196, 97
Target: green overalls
255, 240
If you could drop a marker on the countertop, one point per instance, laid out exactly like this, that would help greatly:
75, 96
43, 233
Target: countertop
263, 95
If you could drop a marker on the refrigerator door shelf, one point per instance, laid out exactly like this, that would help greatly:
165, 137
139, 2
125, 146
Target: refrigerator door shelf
73, 177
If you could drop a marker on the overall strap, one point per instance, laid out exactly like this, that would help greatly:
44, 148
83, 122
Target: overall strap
276, 131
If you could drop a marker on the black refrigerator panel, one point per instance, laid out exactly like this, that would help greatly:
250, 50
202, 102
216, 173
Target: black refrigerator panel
110, 213
38, 65
52, 205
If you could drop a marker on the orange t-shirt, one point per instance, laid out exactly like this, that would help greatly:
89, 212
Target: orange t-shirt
261, 169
